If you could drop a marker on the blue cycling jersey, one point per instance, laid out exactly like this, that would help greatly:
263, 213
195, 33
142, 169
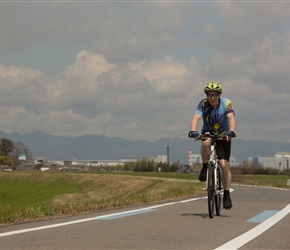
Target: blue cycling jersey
215, 120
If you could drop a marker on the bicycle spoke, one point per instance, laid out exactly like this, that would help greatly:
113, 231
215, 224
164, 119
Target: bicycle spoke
210, 190
218, 195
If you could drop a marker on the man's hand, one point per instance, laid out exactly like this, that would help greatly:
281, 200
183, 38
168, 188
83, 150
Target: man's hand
230, 135
193, 134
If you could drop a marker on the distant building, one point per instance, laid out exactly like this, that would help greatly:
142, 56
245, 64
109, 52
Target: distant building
280, 161
282, 154
96, 163
195, 159
39, 159
160, 159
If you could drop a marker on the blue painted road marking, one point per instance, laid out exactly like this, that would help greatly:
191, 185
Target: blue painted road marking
263, 216
121, 215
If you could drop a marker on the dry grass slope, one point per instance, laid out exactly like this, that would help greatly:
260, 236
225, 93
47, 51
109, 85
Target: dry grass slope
51, 195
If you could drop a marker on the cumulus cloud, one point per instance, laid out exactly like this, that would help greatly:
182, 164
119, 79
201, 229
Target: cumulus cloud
20, 84
96, 96
141, 67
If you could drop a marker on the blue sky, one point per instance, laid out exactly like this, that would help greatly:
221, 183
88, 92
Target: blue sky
137, 69
42, 57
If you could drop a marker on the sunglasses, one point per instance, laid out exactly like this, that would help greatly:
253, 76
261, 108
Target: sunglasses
214, 95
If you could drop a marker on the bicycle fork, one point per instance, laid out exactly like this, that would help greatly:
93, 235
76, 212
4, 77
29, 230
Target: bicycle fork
213, 159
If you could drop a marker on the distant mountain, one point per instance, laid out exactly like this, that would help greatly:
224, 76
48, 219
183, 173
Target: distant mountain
101, 147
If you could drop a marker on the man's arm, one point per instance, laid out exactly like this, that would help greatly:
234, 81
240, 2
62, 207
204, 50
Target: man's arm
194, 123
232, 121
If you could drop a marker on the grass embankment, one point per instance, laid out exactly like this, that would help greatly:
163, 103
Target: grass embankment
279, 181
28, 196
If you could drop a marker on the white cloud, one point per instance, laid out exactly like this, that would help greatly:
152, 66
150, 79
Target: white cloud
88, 67
142, 67
167, 77
21, 84
80, 94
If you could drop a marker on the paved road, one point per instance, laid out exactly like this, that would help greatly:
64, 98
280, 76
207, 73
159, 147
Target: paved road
260, 219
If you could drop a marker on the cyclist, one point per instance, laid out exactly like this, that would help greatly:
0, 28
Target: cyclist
218, 118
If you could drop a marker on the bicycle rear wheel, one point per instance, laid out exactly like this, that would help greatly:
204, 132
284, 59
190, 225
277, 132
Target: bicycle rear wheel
218, 198
210, 189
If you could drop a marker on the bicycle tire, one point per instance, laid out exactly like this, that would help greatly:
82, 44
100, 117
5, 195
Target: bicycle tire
210, 189
218, 198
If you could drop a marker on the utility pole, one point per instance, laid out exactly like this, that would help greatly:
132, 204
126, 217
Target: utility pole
167, 154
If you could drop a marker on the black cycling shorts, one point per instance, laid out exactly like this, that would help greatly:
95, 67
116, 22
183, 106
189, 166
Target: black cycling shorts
224, 149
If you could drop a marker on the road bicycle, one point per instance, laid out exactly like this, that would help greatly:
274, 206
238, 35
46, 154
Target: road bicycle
213, 177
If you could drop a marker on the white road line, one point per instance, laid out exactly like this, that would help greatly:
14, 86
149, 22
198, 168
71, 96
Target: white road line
256, 231
277, 188
94, 218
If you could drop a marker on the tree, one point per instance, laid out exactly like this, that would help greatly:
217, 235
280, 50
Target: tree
6, 146
20, 148
4, 160
144, 165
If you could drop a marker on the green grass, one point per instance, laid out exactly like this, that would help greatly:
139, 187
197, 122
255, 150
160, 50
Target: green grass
29, 196
24, 195
279, 181
16, 193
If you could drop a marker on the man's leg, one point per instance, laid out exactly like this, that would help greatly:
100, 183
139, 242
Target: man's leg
205, 153
226, 174
205, 150
226, 180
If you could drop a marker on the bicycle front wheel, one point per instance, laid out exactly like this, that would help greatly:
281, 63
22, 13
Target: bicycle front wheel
218, 195
210, 189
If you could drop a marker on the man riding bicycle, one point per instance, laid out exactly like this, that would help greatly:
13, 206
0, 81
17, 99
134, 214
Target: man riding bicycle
219, 119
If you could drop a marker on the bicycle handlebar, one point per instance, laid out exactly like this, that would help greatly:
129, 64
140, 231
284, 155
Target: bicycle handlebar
214, 137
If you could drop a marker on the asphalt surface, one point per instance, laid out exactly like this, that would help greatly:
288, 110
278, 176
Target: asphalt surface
174, 225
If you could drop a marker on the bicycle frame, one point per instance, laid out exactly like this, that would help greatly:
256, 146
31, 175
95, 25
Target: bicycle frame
215, 162
213, 180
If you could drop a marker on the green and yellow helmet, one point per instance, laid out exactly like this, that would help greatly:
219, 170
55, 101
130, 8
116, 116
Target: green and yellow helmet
213, 86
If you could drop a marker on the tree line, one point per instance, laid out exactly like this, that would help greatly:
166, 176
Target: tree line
148, 165
10, 151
